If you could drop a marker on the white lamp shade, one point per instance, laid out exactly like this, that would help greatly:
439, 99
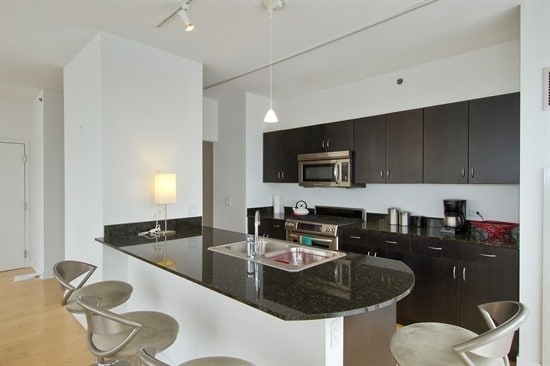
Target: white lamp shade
270, 116
165, 188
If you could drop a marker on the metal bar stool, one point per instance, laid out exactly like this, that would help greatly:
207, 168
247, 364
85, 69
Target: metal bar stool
116, 338
445, 344
146, 357
113, 293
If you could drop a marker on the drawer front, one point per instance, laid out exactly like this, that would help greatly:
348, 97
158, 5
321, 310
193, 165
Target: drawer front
434, 247
502, 257
389, 241
353, 236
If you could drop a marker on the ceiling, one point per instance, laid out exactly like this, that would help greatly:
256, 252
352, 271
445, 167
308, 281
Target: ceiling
316, 43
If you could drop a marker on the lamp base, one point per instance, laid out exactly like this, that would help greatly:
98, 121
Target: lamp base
167, 232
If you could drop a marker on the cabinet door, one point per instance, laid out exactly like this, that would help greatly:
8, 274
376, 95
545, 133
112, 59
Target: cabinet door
270, 228
370, 149
494, 139
338, 136
291, 146
446, 143
435, 295
272, 160
313, 139
404, 145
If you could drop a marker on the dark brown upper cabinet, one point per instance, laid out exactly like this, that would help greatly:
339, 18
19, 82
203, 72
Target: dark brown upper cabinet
370, 149
446, 143
494, 139
404, 144
336, 136
388, 149
280, 164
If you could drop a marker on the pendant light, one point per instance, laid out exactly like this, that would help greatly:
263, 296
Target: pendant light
271, 5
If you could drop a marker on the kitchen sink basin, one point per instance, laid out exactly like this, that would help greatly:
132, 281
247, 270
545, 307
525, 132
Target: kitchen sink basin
281, 254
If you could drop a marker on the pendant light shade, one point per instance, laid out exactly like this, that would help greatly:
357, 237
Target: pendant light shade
271, 5
270, 116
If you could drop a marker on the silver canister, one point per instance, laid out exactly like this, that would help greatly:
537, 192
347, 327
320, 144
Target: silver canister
404, 217
393, 214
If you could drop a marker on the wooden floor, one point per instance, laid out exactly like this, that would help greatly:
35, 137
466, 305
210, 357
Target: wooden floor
34, 328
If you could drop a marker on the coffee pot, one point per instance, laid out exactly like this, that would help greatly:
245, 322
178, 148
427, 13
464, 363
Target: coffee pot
454, 215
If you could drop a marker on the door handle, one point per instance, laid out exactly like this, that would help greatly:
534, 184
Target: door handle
336, 172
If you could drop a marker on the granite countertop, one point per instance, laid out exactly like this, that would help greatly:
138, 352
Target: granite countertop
379, 222
352, 285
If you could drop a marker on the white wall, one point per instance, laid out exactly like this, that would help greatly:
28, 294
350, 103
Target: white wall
130, 110
209, 119
84, 154
36, 187
535, 156
15, 118
53, 181
229, 165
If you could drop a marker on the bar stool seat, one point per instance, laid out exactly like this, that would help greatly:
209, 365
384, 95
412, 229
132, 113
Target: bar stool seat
117, 337
112, 293
435, 344
430, 344
147, 358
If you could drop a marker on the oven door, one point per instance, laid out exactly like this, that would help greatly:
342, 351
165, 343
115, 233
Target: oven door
330, 243
324, 173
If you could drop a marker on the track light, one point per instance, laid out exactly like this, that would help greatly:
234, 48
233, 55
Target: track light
183, 12
185, 17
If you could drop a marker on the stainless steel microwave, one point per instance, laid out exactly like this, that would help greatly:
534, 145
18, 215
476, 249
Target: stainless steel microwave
326, 169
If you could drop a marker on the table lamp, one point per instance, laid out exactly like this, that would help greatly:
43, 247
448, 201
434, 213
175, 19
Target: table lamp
165, 193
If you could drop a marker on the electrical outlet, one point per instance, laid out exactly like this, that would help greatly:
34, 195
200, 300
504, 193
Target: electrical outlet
228, 201
158, 214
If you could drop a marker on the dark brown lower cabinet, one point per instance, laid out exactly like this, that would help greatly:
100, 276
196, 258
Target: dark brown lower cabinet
271, 228
451, 278
385, 245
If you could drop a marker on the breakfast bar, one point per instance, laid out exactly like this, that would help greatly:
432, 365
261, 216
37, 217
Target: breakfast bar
335, 313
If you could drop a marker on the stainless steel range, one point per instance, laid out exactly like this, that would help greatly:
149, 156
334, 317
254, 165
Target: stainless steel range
321, 229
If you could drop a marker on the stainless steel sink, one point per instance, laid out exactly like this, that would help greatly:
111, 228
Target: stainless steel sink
281, 254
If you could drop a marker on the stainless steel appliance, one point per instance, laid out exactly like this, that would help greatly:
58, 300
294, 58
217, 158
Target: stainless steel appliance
454, 216
321, 228
326, 169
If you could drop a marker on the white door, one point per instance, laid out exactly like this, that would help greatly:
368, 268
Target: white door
12, 205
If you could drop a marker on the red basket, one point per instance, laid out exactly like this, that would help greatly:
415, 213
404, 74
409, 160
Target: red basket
495, 229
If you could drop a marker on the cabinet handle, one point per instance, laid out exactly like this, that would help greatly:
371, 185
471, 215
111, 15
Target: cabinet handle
276, 225
328, 144
387, 173
464, 274
382, 173
323, 144
279, 174
368, 253
355, 237
283, 174
435, 248
488, 255
454, 272
390, 242
473, 171
463, 171
375, 254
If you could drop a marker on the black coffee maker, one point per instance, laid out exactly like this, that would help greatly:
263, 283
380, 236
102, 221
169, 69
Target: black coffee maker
454, 216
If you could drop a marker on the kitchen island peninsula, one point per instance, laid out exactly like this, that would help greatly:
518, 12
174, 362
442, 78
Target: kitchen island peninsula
336, 313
